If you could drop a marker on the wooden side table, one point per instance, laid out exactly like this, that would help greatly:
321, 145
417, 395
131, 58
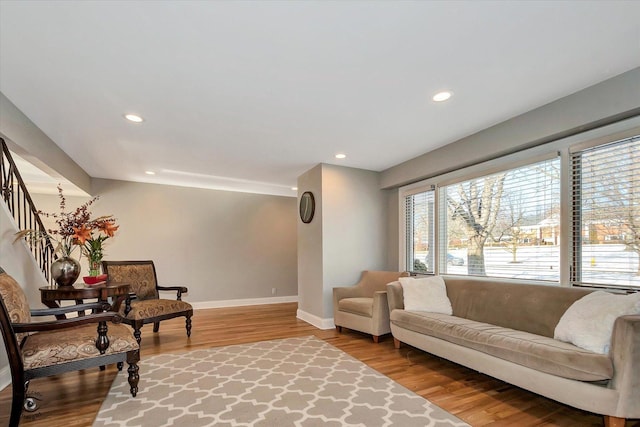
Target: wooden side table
52, 295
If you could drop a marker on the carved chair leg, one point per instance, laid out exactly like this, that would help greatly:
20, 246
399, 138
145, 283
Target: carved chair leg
120, 365
156, 326
188, 325
610, 421
133, 378
137, 334
132, 359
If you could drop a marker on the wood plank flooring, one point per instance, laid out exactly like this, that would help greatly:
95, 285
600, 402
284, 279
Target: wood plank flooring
73, 399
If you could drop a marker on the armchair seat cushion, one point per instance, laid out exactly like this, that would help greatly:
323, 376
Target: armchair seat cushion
361, 306
66, 345
146, 309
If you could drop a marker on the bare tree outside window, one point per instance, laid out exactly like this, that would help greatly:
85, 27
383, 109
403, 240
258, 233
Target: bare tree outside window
512, 212
476, 204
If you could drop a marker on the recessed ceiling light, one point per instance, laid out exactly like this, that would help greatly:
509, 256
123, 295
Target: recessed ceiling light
442, 96
294, 188
133, 118
340, 156
150, 172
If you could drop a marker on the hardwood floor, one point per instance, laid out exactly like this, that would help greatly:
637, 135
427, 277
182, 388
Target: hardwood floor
73, 399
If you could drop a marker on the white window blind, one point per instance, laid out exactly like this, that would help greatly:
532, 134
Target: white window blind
606, 214
419, 222
505, 224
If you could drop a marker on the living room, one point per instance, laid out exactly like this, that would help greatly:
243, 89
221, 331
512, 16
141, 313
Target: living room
249, 248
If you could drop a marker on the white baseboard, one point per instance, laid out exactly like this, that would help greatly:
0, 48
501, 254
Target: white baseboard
314, 320
5, 377
243, 302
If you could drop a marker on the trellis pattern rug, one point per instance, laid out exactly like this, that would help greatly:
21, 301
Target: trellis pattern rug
290, 382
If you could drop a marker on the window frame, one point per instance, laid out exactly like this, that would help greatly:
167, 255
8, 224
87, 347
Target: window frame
564, 147
505, 168
577, 278
404, 231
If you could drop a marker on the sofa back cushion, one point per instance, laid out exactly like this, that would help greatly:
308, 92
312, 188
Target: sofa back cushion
531, 308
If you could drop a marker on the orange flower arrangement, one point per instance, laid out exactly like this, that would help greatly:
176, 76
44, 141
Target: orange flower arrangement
76, 229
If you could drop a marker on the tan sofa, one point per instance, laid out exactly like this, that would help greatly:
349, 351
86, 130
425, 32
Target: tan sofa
363, 307
506, 329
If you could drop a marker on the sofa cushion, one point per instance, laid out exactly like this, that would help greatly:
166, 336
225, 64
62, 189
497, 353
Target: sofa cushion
361, 306
534, 351
155, 307
425, 294
73, 344
523, 307
588, 323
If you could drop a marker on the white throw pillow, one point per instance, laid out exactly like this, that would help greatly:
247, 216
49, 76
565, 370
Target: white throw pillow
425, 294
588, 322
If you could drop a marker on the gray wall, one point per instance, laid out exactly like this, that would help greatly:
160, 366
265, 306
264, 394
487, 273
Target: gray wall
354, 227
603, 103
222, 245
347, 235
310, 277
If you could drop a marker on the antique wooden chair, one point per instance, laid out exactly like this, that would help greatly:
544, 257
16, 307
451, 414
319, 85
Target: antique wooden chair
146, 305
40, 349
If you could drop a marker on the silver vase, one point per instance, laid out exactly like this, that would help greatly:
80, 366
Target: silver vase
65, 271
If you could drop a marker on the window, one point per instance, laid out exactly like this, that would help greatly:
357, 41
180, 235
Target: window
419, 209
606, 212
503, 225
566, 212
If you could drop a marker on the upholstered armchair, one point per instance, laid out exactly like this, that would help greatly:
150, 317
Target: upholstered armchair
40, 349
147, 306
364, 307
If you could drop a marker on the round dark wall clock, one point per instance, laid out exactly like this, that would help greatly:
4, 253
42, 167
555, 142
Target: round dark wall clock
307, 207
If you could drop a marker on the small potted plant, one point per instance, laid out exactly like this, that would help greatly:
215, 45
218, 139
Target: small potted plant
92, 244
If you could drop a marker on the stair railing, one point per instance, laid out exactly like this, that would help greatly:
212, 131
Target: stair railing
17, 198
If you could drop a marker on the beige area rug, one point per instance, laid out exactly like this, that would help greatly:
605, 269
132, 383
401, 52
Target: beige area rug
289, 382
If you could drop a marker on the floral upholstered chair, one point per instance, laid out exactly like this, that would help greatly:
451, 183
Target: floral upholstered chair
40, 349
363, 307
147, 307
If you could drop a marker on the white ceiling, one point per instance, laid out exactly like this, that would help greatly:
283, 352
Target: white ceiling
249, 95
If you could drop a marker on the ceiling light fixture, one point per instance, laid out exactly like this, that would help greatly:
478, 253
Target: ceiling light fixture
341, 156
133, 118
294, 188
150, 172
442, 96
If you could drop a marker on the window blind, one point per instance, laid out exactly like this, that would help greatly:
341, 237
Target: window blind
606, 214
420, 240
505, 224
